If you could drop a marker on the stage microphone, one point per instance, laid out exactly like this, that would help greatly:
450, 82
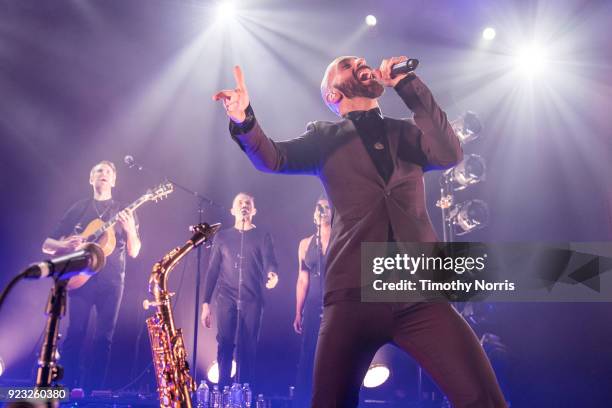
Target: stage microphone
404, 67
131, 162
87, 261
320, 209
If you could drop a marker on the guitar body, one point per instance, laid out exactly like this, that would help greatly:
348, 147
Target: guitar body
107, 241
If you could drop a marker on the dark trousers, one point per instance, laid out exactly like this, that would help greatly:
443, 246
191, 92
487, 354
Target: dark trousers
105, 297
241, 335
434, 334
310, 334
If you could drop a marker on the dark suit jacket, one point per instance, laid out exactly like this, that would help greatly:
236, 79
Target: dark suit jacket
364, 206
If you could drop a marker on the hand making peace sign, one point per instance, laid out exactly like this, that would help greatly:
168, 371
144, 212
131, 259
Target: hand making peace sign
236, 100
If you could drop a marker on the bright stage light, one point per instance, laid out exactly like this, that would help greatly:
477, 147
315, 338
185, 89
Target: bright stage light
1, 366
488, 33
376, 376
370, 20
469, 216
467, 127
213, 372
226, 10
530, 60
471, 170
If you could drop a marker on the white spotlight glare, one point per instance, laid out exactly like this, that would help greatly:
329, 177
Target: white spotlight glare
370, 20
531, 60
488, 33
1, 366
226, 10
213, 372
376, 376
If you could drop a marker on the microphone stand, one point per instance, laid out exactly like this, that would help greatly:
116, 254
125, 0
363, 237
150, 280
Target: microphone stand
445, 203
49, 371
237, 341
202, 201
448, 235
319, 245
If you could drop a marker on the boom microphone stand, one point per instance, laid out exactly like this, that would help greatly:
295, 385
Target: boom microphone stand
49, 371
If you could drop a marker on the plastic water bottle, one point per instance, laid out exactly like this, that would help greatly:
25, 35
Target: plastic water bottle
226, 397
261, 402
247, 395
203, 395
236, 392
215, 397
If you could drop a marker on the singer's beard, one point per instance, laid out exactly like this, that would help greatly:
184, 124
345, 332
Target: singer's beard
244, 215
353, 88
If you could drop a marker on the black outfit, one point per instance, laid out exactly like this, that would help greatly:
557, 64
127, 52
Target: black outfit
313, 311
224, 274
371, 205
102, 292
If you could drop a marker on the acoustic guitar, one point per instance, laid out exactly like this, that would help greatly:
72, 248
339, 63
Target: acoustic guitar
103, 233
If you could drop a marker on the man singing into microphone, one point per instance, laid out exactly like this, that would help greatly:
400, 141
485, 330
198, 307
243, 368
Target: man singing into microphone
241, 264
371, 167
104, 290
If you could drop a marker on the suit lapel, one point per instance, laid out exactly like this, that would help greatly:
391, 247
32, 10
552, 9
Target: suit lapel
348, 128
393, 134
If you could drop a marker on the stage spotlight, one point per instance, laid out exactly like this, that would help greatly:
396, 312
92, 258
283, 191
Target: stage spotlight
376, 376
471, 170
370, 20
469, 216
489, 33
467, 127
530, 60
213, 372
1, 366
226, 10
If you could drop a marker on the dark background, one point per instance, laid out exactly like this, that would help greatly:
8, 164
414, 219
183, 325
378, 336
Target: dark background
82, 81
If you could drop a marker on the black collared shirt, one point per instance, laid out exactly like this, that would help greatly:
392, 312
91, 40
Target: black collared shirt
371, 128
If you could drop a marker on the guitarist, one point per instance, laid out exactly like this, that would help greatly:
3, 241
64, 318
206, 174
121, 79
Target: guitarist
104, 290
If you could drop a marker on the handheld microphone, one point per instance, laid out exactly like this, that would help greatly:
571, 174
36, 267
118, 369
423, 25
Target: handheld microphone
87, 261
404, 67
131, 162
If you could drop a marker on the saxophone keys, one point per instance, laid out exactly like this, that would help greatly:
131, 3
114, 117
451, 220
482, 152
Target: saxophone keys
146, 304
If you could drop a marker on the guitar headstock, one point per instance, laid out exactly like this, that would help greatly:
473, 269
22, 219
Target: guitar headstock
160, 192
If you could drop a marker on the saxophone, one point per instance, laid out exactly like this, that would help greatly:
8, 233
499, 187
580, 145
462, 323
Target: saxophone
174, 383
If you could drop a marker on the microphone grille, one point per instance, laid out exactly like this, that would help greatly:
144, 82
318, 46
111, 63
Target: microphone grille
97, 259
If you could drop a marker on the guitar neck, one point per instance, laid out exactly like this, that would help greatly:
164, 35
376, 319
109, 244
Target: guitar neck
113, 220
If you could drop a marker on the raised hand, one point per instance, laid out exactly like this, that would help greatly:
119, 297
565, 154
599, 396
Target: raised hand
235, 100
383, 73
